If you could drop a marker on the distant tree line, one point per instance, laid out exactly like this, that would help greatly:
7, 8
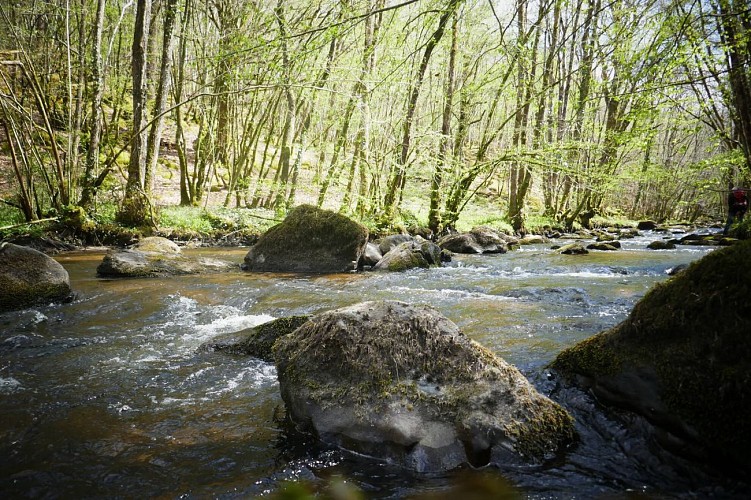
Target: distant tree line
566, 109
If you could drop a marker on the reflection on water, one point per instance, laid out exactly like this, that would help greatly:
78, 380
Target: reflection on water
109, 396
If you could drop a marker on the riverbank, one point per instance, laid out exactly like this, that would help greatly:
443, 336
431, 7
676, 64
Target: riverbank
195, 227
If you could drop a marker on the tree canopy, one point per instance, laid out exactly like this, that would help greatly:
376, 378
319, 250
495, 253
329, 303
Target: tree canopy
376, 108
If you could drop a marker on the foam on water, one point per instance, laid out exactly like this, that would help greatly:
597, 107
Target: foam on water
9, 385
452, 293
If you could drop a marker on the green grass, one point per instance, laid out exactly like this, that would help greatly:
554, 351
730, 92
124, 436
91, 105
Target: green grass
218, 218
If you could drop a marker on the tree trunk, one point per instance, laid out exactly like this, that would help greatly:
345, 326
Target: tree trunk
288, 133
92, 155
399, 176
734, 24
444, 148
162, 94
135, 208
187, 188
521, 176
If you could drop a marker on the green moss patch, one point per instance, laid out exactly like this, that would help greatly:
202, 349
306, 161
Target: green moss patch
694, 333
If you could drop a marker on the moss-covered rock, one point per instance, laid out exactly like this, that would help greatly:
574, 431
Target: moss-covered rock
605, 245
309, 240
401, 382
683, 356
533, 239
259, 340
661, 245
29, 277
574, 248
157, 244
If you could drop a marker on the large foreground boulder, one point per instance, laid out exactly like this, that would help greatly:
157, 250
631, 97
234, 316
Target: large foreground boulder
29, 277
309, 240
682, 358
156, 256
402, 383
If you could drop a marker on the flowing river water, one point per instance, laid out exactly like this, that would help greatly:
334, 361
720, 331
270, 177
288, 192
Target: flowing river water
110, 396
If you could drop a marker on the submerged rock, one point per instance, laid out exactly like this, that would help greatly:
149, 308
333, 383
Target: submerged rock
309, 240
258, 341
156, 256
29, 277
682, 358
402, 383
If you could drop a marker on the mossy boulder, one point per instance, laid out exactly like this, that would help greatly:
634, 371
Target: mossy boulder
29, 277
410, 254
605, 245
478, 240
533, 239
258, 341
157, 244
156, 256
661, 245
574, 248
401, 382
309, 240
682, 358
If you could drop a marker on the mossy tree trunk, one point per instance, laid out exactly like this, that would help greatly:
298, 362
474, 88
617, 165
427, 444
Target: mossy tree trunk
135, 209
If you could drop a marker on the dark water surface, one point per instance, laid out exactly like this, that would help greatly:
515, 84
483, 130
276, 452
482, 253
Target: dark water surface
109, 396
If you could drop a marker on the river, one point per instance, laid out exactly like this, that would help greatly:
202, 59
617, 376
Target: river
110, 396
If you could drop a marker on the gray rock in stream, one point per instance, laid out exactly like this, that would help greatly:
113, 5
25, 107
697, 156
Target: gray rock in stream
410, 254
478, 240
402, 383
154, 257
29, 277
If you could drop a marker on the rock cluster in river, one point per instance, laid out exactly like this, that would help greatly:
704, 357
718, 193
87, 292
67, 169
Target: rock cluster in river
401, 382
156, 256
682, 358
478, 240
29, 277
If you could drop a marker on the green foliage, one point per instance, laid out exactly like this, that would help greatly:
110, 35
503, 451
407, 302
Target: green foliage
10, 216
742, 230
536, 223
615, 220
216, 219
105, 213
186, 218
